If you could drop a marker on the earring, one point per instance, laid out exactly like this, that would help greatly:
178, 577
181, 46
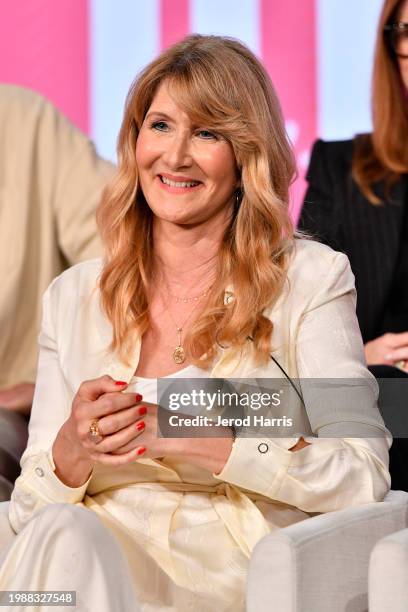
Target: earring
238, 198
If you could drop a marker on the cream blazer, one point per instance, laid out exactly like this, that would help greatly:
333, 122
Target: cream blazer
316, 335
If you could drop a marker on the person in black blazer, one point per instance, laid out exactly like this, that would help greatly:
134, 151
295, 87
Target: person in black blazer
336, 212
357, 202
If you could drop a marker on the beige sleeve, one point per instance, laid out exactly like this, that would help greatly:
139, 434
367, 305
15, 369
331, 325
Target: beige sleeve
81, 178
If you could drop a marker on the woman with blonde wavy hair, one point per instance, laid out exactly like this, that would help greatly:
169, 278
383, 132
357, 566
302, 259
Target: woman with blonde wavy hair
202, 279
357, 203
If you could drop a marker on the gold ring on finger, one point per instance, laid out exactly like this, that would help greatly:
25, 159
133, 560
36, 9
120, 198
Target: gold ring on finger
400, 364
94, 432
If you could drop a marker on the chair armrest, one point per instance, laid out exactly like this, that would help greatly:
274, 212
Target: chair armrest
388, 573
6, 532
321, 563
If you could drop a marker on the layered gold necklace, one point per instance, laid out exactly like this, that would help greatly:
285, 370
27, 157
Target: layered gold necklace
179, 353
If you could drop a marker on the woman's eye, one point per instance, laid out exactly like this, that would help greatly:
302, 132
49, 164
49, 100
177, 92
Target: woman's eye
207, 135
159, 125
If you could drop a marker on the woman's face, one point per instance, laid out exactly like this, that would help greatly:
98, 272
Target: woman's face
403, 61
187, 173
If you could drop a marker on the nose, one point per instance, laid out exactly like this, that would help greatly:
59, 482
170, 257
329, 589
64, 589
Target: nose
178, 151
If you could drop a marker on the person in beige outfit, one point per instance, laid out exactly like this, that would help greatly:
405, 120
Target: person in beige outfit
203, 278
51, 181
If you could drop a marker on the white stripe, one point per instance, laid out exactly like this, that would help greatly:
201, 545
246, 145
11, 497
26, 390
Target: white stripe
345, 42
124, 38
228, 18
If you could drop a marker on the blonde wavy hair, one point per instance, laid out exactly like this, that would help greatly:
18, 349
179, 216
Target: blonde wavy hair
383, 155
224, 88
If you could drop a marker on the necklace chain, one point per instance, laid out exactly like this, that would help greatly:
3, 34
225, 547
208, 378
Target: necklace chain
179, 354
194, 298
186, 298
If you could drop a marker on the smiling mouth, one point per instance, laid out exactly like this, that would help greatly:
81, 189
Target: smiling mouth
179, 184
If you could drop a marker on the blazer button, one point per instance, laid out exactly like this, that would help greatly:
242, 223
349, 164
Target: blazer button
39, 471
263, 447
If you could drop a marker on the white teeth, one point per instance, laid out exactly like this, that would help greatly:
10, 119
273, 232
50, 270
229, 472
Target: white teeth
170, 183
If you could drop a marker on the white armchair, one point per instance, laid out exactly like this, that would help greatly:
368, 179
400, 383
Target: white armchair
321, 564
388, 574
317, 565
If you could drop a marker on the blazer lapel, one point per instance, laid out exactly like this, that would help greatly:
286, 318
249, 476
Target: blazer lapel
110, 362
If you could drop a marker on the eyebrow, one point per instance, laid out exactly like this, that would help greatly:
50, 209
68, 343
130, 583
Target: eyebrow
159, 114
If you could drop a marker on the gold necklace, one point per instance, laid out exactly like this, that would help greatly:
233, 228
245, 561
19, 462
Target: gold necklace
186, 298
194, 298
179, 354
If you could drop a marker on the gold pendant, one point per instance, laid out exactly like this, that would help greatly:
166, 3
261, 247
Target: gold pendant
179, 355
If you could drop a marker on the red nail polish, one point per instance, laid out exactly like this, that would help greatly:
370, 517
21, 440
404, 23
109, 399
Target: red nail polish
138, 397
141, 450
142, 410
120, 383
140, 425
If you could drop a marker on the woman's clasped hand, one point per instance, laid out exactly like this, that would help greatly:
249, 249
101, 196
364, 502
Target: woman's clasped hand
111, 426
107, 423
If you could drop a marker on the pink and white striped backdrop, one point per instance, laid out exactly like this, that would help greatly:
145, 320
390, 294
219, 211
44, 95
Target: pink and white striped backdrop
83, 54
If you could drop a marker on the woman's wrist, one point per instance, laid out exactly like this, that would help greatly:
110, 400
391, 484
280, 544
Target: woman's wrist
72, 466
210, 453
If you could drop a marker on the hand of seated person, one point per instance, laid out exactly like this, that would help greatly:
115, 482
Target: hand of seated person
18, 398
389, 349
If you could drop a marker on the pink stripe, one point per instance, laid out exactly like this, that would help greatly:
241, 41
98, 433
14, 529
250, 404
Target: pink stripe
44, 46
174, 21
288, 43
